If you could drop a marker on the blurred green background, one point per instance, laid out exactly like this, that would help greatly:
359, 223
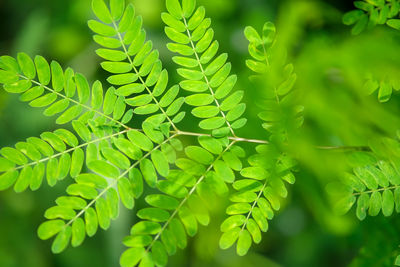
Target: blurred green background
331, 66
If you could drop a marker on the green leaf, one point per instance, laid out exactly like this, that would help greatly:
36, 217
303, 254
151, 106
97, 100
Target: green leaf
211, 144
81, 130
160, 163
145, 227
52, 171
78, 232
194, 86
148, 171
212, 123
76, 162
82, 190
5, 164
131, 256
232, 222
394, 23
360, 25
188, 220
160, 256
116, 158
82, 86
126, 18
162, 201
387, 203
140, 140
169, 96
173, 22
103, 168
238, 208
61, 241
50, 228
128, 148
26, 65
153, 214
244, 243
59, 212
254, 173
178, 232
91, 180
103, 213
226, 87
188, 7
117, 8
375, 203
199, 154
43, 70
205, 111
23, 180
174, 8
229, 238
223, 170
101, 29
71, 202
220, 76
352, 17
101, 11
231, 101
91, 221
199, 99
197, 18
125, 192
112, 200
14, 155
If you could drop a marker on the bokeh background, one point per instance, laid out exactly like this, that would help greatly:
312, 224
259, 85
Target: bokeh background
331, 65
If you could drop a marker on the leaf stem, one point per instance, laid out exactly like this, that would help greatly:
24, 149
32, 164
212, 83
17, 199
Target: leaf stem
75, 102
187, 196
254, 204
71, 149
117, 179
205, 77
376, 190
141, 79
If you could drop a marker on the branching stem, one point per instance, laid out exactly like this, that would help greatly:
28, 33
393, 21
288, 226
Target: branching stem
187, 196
111, 185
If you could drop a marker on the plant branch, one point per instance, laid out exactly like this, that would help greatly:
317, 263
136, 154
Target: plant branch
205, 77
71, 149
140, 78
113, 184
376, 190
75, 102
187, 197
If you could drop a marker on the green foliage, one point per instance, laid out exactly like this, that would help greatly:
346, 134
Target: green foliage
110, 162
280, 112
373, 12
384, 88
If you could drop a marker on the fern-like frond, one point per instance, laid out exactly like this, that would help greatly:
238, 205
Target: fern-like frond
133, 63
180, 206
375, 182
105, 187
69, 94
257, 196
385, 88
276, 78
48, 157
206, 75
373, 12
